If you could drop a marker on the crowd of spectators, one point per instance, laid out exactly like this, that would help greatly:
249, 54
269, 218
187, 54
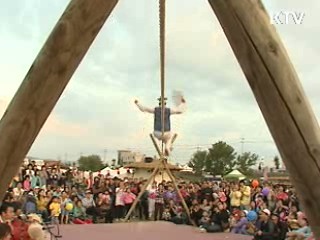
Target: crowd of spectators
261, 210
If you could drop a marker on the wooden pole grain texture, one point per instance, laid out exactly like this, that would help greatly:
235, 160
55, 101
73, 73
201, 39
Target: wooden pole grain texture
46, 79
279, 94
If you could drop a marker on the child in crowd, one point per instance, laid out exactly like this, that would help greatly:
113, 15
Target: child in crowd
55, 209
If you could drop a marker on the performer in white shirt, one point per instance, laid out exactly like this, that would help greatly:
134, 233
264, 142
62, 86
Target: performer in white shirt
157, 111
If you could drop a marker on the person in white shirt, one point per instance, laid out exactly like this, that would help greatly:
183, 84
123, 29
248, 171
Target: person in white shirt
18, 191
157, 111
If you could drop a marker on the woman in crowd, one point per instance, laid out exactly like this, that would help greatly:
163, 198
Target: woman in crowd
277, 207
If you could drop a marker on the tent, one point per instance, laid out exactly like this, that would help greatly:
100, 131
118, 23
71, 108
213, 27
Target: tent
235, 174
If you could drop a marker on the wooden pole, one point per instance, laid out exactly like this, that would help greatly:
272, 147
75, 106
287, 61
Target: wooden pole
155, 144
279, 94
46, 80
184, 204
155, 171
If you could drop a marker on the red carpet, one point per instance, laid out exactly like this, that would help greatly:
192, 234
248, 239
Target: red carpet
141, 231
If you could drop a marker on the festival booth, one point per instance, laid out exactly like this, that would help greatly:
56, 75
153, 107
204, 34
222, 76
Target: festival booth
143, 170
111, 173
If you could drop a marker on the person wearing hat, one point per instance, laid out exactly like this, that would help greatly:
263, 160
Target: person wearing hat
240, 224
265, 227
304, 232
35, 229
157, 111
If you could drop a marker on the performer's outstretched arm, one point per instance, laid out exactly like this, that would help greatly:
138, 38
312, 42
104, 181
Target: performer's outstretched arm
142, 108
180, 109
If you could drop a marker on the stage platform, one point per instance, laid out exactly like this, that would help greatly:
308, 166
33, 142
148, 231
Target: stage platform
141, 231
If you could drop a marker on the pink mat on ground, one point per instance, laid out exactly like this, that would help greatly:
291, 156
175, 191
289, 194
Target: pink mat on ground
141, 231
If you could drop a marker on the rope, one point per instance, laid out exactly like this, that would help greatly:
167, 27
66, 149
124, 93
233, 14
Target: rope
162, 16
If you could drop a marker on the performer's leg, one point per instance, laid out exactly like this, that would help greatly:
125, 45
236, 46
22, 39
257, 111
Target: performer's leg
158, 135
167, 139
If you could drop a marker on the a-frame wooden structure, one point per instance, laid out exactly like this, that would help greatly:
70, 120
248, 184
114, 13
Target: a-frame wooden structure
259, 51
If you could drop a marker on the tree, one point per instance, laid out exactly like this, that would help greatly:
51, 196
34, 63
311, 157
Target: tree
90, 163
220, 159
198, 161
245, 161
276, 161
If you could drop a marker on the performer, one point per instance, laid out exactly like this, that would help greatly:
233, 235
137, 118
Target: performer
157, 111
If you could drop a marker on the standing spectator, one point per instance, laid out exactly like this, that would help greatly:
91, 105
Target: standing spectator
245, 196
55, 209
128, 199
29, 171
65, 212
119, 203
44, 175
35, 180
53, 177
152, 199
235, 197
159, 203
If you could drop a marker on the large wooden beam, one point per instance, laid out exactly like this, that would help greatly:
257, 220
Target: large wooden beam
46, 80
279, 94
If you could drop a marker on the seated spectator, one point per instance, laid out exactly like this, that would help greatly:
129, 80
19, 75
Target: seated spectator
18, 190
281, 228
265, 228
35, 230
31, 204
205, 220
79, 214
196, 214
180, 217
240, 226
166, 216
219, 222
304, 231
292, 221
42, 203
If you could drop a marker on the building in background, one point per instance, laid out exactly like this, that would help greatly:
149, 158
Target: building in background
126, 157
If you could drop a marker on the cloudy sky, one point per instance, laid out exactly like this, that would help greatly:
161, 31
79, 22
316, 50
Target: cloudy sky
97, 113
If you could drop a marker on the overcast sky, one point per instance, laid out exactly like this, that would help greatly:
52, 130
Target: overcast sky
97, 113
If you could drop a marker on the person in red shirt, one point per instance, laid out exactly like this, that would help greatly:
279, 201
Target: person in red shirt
282, 195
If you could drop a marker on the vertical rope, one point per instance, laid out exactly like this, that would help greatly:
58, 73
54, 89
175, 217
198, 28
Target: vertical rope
162, 15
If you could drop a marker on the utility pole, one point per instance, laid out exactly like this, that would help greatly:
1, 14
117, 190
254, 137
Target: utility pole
105, 156
242, 145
